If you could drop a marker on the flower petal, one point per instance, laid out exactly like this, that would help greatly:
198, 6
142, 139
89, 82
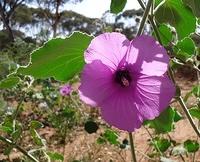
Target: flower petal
65, 90
153, 95
148, 56
96, 83
110, 48
120, 111
87, 100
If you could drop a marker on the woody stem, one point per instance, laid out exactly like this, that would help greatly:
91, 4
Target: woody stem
144, 17
132, 147
11, 143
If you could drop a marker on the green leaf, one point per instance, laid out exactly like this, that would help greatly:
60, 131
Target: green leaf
195, 112
4, 69
165, 34
177, 116
36, 137
198, 21
9, 82
8, 150
187, 96
162, 144
196, 90
186, 48
3, 103
68, 113
174, 12
117, 6
194, 5
55, 156
186, 45
17, 132
36, 124
164, 122
101, 140
58, 58
108, 29
111, 136
7, 125
191, 146
6, 129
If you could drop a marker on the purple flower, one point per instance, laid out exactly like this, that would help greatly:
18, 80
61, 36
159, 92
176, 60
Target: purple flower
65, 90
126, 79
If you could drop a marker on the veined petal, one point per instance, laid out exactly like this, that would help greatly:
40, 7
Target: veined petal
148, 56
120, 111
109, 48
153, 95
96, 83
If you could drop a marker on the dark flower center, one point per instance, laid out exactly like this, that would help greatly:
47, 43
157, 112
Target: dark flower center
123, 77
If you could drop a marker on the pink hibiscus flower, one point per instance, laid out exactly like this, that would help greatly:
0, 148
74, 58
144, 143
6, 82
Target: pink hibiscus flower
126, 79
65, 90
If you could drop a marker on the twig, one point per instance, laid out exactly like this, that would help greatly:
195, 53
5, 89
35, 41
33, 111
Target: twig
198, 99
144, 17
156, 146
9, 142
146, 156
132, 147
17, 111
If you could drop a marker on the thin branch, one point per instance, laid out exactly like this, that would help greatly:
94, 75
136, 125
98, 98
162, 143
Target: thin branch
132, 147
11, 143
145, 156
155, 144
45, 13
144, 17
13, 7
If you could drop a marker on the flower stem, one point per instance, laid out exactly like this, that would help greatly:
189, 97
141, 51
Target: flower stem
185, 109
152, 139
132, 147
179, 98
141, 4
139, 32
9, 142
144, 17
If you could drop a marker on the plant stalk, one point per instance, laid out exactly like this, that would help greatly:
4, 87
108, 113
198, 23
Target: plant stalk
185, 109
132, 147
144, 17
9, 142
152, 139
